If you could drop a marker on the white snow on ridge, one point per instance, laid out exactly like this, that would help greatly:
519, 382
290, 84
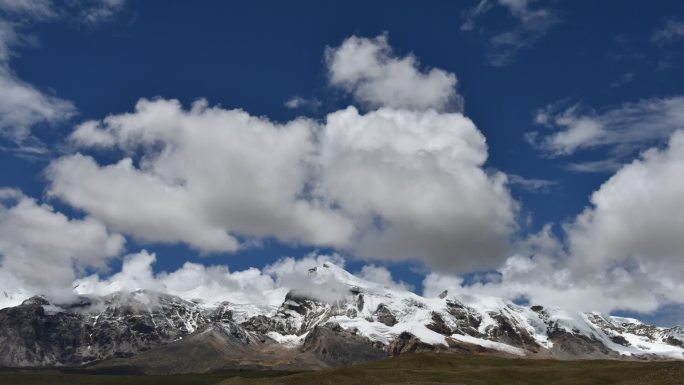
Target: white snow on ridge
383, 313
489, 344
413, 313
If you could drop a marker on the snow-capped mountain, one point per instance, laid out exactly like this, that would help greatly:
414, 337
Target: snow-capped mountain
368, 321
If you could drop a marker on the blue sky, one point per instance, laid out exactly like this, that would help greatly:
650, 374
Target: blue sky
525, 70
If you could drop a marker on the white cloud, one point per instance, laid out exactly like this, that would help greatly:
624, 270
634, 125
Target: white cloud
604, 165
381, 275
531, 23
211, 177
207, 176
23, 106
216, 284
543, 281
624, 252
192, 281
135, 203
634, 217
393, 184
532, 184
300, 102
624, 130
376, 77
294, 275
414, 184
543, 274
43, 250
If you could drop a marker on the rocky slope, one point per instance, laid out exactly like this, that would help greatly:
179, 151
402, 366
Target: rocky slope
161, 333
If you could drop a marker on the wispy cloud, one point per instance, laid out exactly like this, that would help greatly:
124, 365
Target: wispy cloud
625, 79
623, 131
24, 105
296, 102
665, 37
543, 186
531, 23
671, 31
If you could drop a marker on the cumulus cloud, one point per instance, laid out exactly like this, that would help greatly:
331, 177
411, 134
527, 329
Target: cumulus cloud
207, 177
192, 281
390, 184
304, 276
414, 184
623, 252
381, 275
633, 219
43, 250
543, 281
405, 182
623, 130
297, 275
544, 275
376, 77
531, 23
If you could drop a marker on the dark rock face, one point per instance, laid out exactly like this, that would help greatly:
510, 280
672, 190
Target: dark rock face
385, 316
576, 345
438, 325
468, 320
620, 340
336, 346
222, 345
29, 335
509, 333
262, 324
408, 343
674, 341
38, 333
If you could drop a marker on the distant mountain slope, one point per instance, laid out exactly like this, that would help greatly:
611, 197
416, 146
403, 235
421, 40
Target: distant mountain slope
163, 334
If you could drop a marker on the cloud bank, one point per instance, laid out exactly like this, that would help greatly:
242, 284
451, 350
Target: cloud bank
404, 181
216, 284
623, 252
41, 250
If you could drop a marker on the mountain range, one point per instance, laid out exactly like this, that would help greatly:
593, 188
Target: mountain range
150, 332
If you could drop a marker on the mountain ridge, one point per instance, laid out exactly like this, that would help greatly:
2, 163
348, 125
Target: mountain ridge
367, 321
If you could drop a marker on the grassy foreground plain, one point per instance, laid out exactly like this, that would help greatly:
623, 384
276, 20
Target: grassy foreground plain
406, 369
